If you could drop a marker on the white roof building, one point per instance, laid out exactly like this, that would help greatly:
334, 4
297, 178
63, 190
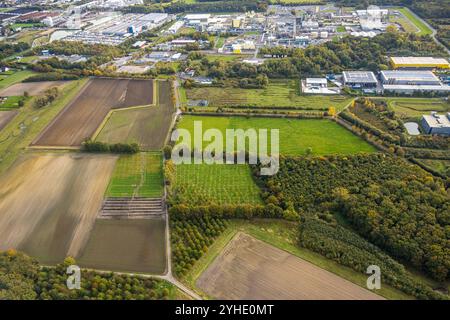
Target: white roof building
198, 16
316, 82
409, 77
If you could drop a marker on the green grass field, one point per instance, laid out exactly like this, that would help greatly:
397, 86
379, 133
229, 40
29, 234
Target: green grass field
404, 22
217, 183
225, 58
220, 42
423, 28
137, 175
278, 94
414, 108
441, 166
8, 80
11, 103
296, 136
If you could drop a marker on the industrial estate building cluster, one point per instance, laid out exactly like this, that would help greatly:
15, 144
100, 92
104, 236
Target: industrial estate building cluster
243, 34
289, 26
410, 75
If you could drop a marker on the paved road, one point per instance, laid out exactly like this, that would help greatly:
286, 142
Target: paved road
434, 32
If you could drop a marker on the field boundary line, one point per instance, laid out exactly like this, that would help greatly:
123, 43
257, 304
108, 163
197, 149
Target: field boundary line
102, 125
53, 148
175, 114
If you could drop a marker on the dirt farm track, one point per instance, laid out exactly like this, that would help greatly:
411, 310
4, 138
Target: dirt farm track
49, 203
251, 269
80, 118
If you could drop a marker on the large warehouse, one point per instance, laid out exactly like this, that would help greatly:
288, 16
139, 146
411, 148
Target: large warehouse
409, 77
419, 63
409, 82
360, 79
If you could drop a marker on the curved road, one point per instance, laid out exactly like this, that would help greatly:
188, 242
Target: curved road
434, 32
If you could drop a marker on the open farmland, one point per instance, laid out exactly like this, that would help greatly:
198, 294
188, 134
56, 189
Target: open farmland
6, 117
296, 136
33, 88
16, 76
29, 122
137, 175
147, 126
85, 113
126, 245
251, 269
217, 183
48, 203
278, 94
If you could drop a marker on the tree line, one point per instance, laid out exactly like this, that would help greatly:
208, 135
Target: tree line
21, 278
398, 207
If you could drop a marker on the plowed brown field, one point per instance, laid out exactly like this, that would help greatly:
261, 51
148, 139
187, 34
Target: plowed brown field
48, 203
79, 120
251, 269
33, 88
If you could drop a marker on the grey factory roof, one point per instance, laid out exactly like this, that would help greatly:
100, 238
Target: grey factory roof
359, 77
413, 76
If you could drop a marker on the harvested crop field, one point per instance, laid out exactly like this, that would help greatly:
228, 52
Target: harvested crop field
33, 88
146, 126
126, 245
6, 117
48, 203
80, 118
251, 269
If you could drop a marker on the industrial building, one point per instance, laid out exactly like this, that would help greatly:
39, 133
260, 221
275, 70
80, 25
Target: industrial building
114, 28
316, 82
360, 79
409, 82
436, 124
373, 18
409, 78
419, 63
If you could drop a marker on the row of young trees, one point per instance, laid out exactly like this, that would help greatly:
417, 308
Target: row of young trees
97, 146
191, 238
398, 206
347, 248
21, 278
